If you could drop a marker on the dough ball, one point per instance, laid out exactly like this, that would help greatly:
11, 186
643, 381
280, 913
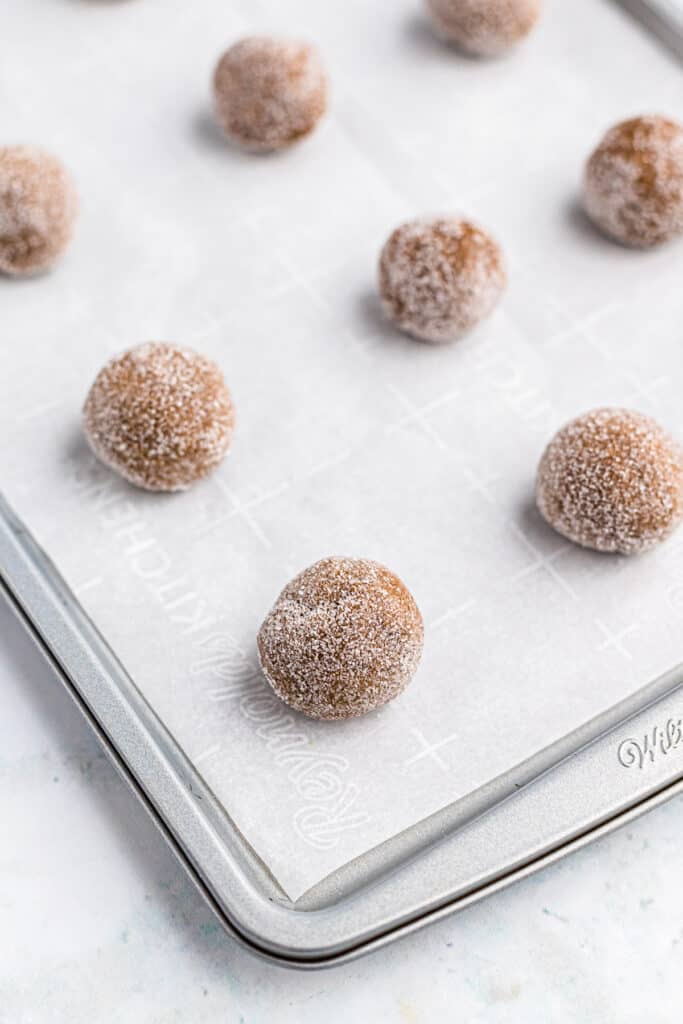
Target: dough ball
439, 277
612, 480
269, 92
38, 205
486, 28
344, 637
633, 182
160, 415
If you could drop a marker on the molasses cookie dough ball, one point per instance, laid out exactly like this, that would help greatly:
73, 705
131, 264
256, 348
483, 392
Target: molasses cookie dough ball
439, 277
344, 637
38, 206
486, 28
160, 415
612, 480
269, 92
633, 182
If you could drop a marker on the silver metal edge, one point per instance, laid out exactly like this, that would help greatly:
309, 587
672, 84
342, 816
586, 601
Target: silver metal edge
661, 19
582, 796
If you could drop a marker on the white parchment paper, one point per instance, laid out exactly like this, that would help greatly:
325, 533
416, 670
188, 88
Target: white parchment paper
351, 439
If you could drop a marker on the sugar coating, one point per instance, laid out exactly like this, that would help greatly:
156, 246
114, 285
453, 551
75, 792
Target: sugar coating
612, 480
484, 27
633, 182
38, 205
439, 277
269, 92
160, 415
344, 637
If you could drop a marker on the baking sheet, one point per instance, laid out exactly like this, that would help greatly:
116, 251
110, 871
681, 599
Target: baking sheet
672, 10
351, 439
664, 18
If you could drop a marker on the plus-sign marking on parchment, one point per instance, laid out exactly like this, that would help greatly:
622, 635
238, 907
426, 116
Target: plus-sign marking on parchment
543, 562
430, 749
418, 415
615, 640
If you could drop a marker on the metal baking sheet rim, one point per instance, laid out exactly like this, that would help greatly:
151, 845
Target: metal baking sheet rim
537, 817
661, 19
391, 935
252, 908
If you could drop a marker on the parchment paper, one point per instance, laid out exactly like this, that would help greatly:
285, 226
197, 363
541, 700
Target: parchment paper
351, 439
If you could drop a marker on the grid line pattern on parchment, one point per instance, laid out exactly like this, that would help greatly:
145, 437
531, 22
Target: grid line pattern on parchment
350, 438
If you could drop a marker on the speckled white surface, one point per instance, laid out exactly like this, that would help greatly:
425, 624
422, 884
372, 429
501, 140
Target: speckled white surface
98, 922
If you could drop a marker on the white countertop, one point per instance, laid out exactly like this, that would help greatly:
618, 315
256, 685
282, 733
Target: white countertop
99, 923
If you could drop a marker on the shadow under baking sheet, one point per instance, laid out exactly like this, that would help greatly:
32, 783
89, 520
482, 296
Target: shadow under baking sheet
584, 784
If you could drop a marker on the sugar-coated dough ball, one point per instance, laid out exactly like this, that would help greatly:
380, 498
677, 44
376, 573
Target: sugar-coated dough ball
633, 182
269, 92
159, 415
612, 480
439, 277
344, 637
484, 27
38, 207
